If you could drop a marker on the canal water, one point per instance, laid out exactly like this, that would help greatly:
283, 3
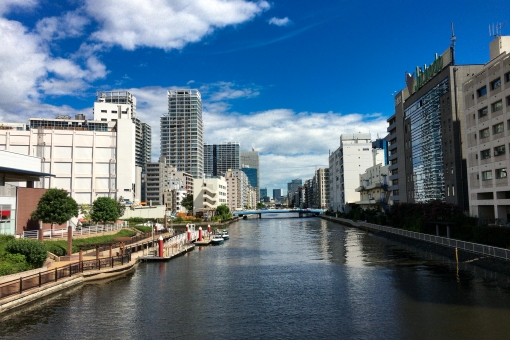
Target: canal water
281, 278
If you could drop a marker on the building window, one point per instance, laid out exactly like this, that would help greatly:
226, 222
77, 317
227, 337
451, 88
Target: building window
508, 101
498, 128
482, 91
484, 154
507, 77
499, 150
501, 173
103, 111
495, 83
114, 111
483, 112
497, 106
484, 133
486, 175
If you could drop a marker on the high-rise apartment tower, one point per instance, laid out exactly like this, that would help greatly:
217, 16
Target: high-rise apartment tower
182, 132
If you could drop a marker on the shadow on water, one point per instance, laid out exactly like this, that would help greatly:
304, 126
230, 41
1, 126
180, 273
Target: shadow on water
426, 276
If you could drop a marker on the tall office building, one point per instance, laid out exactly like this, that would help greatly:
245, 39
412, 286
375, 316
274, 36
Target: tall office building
182, 132
277, 194
427, 151
251, 160
218, 158
263, 193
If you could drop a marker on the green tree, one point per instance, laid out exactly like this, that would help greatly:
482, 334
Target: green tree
187, 202
260, 205
223, 211
55, 206
121, 206
85, 211
104, 209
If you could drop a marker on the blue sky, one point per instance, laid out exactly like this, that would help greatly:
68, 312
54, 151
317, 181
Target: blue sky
284, 77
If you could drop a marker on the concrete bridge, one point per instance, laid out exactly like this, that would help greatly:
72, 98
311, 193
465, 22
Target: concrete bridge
301, 212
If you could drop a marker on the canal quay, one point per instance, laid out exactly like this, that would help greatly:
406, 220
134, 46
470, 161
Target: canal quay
285, 278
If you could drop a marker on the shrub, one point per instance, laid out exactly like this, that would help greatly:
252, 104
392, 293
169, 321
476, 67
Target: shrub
143, 229
34, 251
56, 247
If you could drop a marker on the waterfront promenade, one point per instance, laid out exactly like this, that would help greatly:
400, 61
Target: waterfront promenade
22, 288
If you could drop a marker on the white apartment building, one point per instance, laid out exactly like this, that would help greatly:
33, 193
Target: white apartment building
182, 141
246, 189
487, 117
321, 189
89, 158
209, 193
351, 159
234, 191
373, 188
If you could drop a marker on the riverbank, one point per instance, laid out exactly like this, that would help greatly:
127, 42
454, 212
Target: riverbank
485, 262
69, 274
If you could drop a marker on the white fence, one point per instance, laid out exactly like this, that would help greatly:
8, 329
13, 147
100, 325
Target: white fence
79, 231
497, 252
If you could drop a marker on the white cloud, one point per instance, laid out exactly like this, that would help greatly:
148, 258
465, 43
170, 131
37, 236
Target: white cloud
166, 24
22, 64
222, 90
291, 144
280, 22
8, 5
69, 25
29, 71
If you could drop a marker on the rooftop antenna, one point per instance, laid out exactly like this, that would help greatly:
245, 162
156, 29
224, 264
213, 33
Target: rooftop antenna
452, 44
496, 30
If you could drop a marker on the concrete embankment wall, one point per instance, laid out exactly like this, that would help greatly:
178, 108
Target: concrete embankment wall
465, 257
18, 300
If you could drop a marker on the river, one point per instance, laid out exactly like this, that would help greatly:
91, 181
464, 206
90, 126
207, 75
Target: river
281, 278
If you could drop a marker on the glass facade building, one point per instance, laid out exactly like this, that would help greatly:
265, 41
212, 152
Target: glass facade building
427, 152
219, 158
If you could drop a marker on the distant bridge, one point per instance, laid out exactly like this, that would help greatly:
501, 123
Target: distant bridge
301, 212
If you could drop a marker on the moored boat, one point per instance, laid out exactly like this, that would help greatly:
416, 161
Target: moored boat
224, 234
217, 239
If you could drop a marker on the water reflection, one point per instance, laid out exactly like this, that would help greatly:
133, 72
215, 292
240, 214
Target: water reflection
282, 278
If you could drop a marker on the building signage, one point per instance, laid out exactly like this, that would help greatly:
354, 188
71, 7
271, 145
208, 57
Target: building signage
421, 76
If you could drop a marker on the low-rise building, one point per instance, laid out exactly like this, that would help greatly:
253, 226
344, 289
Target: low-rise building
209, 193
373, 188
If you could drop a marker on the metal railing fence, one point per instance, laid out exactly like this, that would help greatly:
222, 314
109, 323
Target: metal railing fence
22, 284
500, 253
79, 231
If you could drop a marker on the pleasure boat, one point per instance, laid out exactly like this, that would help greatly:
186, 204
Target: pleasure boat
217, 239
224, 234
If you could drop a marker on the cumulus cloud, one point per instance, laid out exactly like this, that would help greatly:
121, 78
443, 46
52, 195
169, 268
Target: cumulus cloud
69, 25
291, 144
8, 5
222, 90
280, 22
29, 71
22, 64
166, 24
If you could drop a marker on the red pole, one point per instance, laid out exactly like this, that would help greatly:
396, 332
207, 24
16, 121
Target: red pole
200, 234
160, 239
189, 236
